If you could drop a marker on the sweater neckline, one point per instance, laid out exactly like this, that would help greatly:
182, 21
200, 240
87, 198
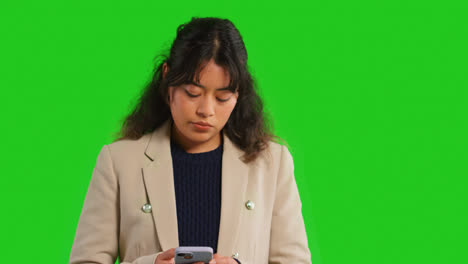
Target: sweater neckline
179, 153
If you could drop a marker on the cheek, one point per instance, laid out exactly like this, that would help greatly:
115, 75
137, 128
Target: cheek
181, 104
226, 110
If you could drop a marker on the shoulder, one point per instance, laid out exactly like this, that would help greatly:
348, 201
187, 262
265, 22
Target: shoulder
279, 150
129, 146
284, 155
126, 151
274, 156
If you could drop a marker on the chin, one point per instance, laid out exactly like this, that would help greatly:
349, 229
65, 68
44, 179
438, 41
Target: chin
189, 133
199, 137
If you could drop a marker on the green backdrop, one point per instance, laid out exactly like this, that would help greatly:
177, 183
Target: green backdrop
370, 95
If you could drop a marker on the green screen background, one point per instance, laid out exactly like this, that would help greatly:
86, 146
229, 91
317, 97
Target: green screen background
370, 95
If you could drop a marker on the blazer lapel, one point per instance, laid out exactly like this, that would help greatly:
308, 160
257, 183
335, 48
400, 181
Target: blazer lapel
159, 182
233, 186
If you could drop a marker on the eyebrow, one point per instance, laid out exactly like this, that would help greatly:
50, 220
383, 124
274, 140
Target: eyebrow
201, 86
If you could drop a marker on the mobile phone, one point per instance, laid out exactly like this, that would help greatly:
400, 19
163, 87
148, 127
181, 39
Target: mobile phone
193, 254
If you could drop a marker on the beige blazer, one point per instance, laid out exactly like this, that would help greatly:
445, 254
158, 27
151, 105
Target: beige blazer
132, 173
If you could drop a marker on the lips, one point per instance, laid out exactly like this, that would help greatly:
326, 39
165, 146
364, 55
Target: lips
202, 123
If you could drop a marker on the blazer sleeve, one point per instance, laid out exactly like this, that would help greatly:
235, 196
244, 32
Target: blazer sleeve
288, 239
97, 234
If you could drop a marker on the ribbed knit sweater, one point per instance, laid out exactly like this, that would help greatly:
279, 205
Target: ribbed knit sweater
197, 181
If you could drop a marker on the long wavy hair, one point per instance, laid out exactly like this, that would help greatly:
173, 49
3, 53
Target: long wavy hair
197, 42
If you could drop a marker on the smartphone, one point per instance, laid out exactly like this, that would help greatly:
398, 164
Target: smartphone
193, 254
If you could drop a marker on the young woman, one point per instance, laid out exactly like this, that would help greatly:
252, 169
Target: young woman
196, 165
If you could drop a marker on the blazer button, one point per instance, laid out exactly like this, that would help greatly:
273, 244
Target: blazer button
146, 208
250, 205
235, 255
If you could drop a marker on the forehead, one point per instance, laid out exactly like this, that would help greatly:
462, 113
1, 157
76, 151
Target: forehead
212, 76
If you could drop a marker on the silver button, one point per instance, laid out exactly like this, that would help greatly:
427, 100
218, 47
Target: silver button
250, 205
235, 255
146, 208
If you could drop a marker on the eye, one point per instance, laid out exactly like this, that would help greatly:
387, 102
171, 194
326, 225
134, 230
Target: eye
224, 94
196, 95
223, 100
191, 95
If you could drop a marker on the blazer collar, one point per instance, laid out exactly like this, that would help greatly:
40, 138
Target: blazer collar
159, 183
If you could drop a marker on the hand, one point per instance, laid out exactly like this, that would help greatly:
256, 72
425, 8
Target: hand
167, 257
222, 260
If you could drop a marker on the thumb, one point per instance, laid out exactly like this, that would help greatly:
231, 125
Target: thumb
168, 254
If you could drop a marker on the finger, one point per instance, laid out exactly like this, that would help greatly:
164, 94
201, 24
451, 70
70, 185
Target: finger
222, 259
168, 254
213, 261
168, 261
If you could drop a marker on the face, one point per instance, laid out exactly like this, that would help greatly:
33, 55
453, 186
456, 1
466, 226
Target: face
205, 102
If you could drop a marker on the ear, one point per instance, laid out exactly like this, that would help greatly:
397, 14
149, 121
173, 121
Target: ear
164, 69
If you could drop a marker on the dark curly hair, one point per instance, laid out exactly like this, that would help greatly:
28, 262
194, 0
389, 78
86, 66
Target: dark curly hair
197, 42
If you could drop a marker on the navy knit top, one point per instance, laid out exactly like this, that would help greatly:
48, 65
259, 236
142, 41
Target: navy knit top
197, 182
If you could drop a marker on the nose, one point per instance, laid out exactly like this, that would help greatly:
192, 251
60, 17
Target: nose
206, 107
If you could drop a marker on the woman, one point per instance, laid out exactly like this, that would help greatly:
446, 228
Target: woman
196, 166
